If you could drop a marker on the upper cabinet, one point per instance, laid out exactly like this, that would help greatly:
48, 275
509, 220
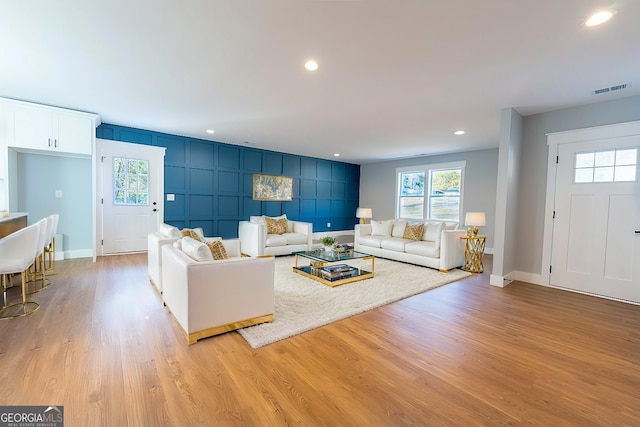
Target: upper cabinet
43, 128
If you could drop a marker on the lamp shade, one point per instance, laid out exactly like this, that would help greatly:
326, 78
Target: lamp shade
364, 213
475, 219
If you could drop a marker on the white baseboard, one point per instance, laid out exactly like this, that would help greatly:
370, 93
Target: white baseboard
77, 253
521, 276
499, 281
536, 279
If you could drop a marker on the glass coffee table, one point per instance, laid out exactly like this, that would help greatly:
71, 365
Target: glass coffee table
331, 268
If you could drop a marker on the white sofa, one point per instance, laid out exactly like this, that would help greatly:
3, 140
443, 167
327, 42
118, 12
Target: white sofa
166, 234
210, 297
439, 247
256, 241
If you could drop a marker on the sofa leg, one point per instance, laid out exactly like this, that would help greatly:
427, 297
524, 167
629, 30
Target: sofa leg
444, 271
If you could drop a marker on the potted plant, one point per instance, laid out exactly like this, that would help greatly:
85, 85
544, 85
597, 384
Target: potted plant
327, 242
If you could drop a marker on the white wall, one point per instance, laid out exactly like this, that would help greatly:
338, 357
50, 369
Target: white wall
378, 181
38, 178
509, 160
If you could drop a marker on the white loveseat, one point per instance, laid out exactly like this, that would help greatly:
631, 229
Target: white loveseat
256, 240
210, 297
166, 234
440, 245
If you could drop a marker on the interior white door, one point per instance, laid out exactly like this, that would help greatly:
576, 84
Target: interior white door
596, 232
132, 182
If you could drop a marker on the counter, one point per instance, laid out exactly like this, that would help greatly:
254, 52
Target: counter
14, 222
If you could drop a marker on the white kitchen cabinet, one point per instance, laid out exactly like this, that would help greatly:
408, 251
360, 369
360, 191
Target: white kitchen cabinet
31, 128
44, 128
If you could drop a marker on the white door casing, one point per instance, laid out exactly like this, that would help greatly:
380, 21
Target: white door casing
123, 228
591, 245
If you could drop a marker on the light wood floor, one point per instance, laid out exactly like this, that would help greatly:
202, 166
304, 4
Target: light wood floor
464, 354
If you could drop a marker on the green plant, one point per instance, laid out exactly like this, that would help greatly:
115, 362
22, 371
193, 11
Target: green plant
327, 240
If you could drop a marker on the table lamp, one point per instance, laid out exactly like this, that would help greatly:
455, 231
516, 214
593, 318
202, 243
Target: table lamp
363, 214
473, 220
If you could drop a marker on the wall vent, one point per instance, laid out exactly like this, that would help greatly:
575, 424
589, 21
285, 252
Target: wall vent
612, 88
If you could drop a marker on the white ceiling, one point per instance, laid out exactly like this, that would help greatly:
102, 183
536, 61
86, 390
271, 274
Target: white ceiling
396, 77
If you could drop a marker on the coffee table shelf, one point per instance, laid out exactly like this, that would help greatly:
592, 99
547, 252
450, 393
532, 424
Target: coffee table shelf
321, 258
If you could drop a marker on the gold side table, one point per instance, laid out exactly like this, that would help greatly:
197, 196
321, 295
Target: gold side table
473, 253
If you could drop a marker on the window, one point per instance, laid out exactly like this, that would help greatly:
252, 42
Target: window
606, 166
430, 192
130, 181
411, 195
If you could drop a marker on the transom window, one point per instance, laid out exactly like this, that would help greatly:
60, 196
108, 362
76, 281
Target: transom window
130, 181
430, 192
606, 166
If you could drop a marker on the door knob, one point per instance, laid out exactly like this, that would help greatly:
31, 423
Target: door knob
637, 231
155, 210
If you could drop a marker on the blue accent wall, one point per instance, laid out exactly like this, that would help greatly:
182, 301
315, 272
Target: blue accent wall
212, 183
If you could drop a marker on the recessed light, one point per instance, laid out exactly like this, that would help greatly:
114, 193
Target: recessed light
336, 154
311, 65
459, 132
599, 17
210, 131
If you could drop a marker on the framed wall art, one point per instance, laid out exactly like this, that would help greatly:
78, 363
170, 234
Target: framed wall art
272, 187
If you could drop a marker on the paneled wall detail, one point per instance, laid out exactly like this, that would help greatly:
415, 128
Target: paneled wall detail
212, 183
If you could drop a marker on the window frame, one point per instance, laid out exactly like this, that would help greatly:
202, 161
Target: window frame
427, 169
126, 176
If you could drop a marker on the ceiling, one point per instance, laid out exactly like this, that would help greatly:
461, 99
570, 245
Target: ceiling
396, 77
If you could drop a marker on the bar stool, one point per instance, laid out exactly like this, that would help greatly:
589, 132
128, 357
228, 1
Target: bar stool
36, 272
17, 252
50, 248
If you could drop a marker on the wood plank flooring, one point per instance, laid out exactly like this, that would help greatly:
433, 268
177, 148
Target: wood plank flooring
465, 354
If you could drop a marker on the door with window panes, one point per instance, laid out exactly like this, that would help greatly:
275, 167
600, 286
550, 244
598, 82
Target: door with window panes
596, 230
132, 190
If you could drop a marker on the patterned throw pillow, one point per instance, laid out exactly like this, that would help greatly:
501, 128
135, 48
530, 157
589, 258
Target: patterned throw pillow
187, 232
217, 250
276, 226
413, 231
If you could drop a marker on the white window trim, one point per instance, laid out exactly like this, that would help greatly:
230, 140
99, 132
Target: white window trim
426, 169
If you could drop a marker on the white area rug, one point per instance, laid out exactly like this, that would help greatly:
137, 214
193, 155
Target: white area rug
302, 304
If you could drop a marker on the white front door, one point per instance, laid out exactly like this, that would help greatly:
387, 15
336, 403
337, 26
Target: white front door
596, 232
132, 185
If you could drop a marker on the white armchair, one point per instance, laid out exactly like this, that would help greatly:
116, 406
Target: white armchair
256, 241
208, 298
166, 234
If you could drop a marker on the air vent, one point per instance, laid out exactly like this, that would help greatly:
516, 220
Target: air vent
612, 88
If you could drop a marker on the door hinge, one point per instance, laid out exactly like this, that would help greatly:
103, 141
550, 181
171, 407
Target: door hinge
102, 203
557, 159
101, 159
102, 242
554, 214
550, 267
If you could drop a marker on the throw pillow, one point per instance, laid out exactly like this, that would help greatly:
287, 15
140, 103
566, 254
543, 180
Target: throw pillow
217, 250
169, 231
381, 228
193, 233
276, 226
413, 231
196, 250
433, 231
398, 227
